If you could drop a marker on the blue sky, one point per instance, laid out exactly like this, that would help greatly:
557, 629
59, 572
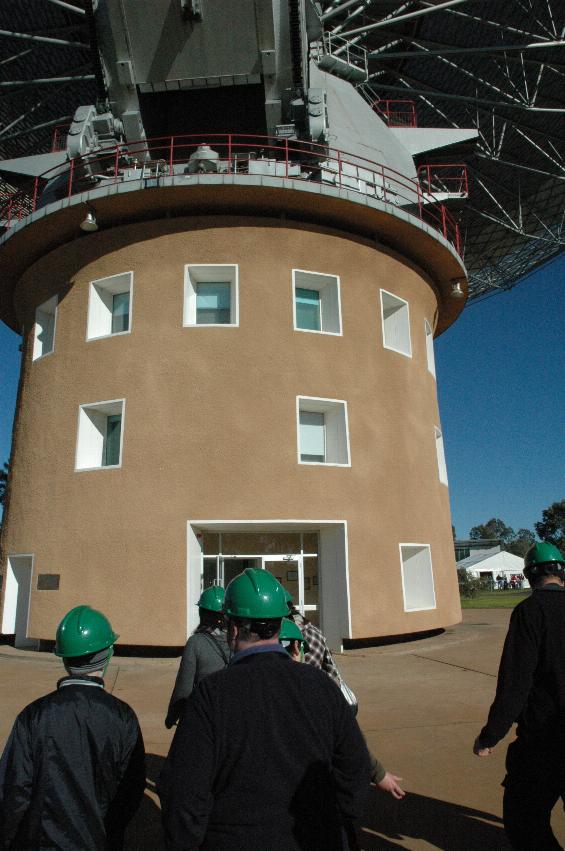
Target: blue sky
501, 383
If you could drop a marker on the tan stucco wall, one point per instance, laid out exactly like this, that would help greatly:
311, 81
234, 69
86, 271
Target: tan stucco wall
210, 424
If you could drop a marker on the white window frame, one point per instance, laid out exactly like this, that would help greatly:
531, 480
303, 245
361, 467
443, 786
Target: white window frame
107, 408
52, 305
324, 283
430, 354
196, 273
440, 452
317, 404
402, 301
99, 308
417, 608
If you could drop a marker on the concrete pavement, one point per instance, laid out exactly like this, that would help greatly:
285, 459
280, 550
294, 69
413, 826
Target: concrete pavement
421, 706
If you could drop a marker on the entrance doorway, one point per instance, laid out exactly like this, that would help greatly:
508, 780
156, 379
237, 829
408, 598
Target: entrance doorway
291, 557
16, 600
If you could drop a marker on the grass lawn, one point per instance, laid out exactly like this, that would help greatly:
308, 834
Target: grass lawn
495, 600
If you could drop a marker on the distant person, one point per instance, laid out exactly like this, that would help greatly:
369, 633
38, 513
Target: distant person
205, 651
531, 691
72, 773
267, 755
500, 581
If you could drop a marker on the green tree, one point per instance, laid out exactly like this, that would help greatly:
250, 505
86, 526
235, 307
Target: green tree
3, 482
469, 586
523, 540
493, 528
552, 525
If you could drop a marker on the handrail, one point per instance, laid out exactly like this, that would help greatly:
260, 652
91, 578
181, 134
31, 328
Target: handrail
233, 154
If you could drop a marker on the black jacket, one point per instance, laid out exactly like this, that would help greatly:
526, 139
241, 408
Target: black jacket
72, 773
531, 678
267, 755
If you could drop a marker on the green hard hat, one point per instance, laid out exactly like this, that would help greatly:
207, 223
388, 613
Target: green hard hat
83, 631
543, 554
212, 599
291, 632
255, 594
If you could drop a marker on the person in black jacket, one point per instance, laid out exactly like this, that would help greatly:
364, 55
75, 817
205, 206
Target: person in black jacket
73, 770
531, 691
267, 754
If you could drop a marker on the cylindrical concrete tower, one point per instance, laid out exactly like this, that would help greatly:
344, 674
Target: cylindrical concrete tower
232, 371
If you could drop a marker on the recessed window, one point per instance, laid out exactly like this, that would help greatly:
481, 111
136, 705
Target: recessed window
440, 456
316, 302
430, 348
100, 435
45, 320
417, 577
211, 295
323, 436
109, 306
396, 324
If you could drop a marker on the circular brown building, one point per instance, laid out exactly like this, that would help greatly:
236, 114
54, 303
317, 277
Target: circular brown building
234, 370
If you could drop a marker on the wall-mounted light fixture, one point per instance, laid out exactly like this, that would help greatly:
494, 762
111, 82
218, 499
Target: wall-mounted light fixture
89, 223
457, 290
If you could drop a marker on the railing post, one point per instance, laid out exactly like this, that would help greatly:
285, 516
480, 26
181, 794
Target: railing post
443, 221
71, 174
384, 183
35, 191
339, 168
229, 154
10, 202
116, 161
419, 189
171, 147
457, 239
285, 158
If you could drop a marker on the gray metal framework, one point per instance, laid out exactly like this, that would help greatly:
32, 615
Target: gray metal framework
496, 66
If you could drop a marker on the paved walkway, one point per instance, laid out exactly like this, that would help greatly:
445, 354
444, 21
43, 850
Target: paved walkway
421, 706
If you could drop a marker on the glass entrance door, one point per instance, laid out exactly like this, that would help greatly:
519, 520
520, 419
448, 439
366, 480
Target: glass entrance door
299, 576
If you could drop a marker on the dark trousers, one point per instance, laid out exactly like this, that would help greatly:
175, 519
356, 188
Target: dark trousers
534, 782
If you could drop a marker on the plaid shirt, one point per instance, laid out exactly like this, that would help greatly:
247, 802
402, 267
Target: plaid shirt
319, 655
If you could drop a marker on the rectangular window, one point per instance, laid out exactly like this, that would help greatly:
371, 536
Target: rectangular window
213, 303
100, 435
308, 314
211, 295
112, 445
395, 324
312, 436
322, 431
109, 306
44, 337
430, 348
442, 468
417, 577
120, 313
316, 301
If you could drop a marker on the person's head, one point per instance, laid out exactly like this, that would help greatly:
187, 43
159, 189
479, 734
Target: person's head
544, 563
254, 605
210, 607
292, 640
85, 641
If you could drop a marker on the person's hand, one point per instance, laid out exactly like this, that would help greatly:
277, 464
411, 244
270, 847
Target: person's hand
479, 750
389, 784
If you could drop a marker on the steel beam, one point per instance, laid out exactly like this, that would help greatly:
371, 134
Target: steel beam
408, 16
68, 6
44, 39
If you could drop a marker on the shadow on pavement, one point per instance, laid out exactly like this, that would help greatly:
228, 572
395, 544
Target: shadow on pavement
439, 823
145, 832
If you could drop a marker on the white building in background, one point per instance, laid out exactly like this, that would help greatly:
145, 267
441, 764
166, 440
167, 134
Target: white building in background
493, 562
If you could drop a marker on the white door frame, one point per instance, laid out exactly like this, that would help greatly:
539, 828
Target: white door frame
17, 599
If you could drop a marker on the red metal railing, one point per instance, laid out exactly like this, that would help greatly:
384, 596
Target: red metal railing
444, 177
397, 113
150, 162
